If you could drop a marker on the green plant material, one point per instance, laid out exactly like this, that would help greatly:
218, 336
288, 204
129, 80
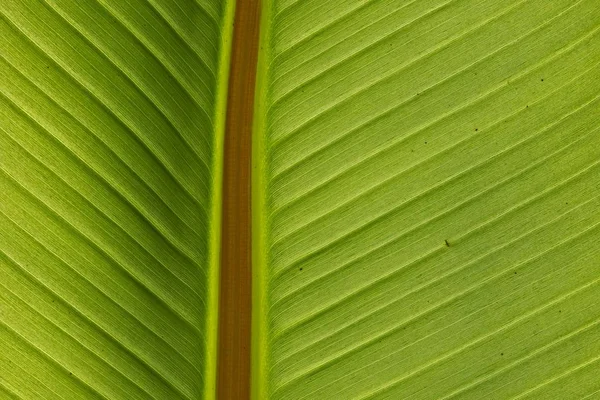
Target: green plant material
111, 113
428, 182
426, 199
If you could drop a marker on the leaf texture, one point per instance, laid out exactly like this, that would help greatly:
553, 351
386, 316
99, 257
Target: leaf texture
428, 181
109, 185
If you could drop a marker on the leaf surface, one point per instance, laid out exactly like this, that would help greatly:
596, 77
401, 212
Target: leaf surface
428, 183
110, 196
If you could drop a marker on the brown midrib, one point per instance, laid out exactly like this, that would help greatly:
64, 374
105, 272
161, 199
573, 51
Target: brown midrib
235, 294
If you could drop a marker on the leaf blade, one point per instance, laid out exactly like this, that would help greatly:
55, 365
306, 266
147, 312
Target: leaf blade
413, 153
110, 189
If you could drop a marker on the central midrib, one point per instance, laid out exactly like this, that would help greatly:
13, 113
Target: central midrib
235, 293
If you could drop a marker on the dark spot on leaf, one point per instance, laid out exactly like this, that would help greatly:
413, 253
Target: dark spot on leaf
301, 268
447, 242
476, 129
501, 354
542, 79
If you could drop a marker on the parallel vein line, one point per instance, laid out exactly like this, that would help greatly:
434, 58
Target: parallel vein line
564, 374
21, 372
532, 354
104, 332
157, 55
324, 28
354, 293
214, 17
490, 375
595, 392
174, 26
135, 137
170, 26
443, 45
412, 264
452, 299
129, 77
105, 217
423, 193
104, 182
102, 359
12, 393
84, 87
59, 365
354, 33
108, 297
105, 255
433, 121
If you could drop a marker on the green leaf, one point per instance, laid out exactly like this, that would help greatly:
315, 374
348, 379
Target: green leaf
426, 198
428, 191
111, 119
